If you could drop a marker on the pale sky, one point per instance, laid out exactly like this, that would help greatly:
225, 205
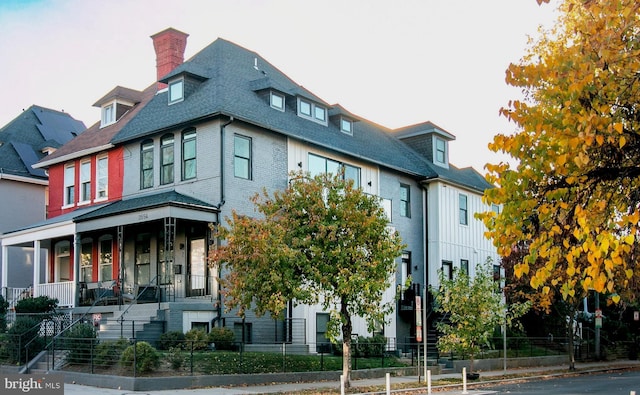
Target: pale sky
395, 63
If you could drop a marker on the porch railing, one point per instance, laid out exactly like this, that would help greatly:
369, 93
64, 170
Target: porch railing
13, 295
63, 291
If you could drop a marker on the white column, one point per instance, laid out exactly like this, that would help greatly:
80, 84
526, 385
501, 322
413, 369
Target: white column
5, 265
36, 266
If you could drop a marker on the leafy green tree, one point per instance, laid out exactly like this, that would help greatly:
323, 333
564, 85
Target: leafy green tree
572, 198
474, 308
321, 240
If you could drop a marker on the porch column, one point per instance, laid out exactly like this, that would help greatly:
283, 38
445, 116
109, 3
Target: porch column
36, 265
77, 254
5, 265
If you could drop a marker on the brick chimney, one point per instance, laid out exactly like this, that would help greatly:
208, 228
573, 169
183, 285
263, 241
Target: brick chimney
169, 45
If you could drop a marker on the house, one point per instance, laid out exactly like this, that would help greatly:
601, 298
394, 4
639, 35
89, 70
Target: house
210, 133
32, 135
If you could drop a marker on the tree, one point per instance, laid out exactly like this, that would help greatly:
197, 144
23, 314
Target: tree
474, 308
321, 240
572, 198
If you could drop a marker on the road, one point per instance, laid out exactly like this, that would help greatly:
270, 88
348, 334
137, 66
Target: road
613, 383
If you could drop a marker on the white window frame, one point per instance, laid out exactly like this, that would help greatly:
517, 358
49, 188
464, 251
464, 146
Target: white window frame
248, 159
85, 180
346, 129
69, 182
177, 87
272, 103
313, 111
405, 204
102, 178
436, 151
463, 212
108, 114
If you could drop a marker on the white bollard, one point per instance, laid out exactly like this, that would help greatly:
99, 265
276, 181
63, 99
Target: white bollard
388, 377
632, 393
341, 384
428, 381
464, 381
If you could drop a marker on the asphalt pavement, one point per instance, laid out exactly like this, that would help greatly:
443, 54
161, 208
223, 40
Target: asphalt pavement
286, 388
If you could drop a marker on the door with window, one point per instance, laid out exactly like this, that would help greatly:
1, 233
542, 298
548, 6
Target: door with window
197, 268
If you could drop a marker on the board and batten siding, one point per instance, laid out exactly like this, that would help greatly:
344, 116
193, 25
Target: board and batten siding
448, 240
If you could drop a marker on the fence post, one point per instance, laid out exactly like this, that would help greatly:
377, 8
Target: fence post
91, 355
135, 352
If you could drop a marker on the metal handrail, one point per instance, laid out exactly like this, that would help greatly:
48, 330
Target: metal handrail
135, 299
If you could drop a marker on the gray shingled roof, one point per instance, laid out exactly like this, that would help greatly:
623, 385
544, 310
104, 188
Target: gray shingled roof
22, 139
231, 87
169, 198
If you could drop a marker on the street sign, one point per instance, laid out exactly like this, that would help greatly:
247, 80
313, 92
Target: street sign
418, 318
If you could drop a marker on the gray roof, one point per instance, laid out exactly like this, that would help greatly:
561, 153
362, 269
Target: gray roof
23, 139
230, 80
168, 198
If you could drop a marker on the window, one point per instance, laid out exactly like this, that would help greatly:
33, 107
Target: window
62, 261
320, 165
464, 266
86, 261
346, 126
69, 184
464, 213
242, 157
277, 101
85, 181
495, 208
146, 164
102, 177
108, 115
405, 270
441, 153
105, 258
447, 271
405, 200
189, 154
166, 159
315, 112
176, 91
323, 344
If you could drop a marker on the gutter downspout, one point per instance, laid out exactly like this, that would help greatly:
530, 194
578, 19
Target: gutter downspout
425, 232
222, 128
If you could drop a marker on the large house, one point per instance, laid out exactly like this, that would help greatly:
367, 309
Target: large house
30, 136
132, 198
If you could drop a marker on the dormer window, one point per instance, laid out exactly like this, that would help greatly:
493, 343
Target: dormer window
312, 111
176, 91
346, 126
440, 152
108, 114
276, 101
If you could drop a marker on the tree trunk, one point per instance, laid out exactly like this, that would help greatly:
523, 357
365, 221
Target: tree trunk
346, 344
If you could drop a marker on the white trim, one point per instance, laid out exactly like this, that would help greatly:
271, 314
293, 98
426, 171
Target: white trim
27, 180
45, 232
71, 156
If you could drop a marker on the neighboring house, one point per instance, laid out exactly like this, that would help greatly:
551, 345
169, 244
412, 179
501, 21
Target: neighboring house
32, 135
221, 127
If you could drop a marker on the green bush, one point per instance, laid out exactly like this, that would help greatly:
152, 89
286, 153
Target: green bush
222, 338
79, 340
146, 357
196, 338
41, 304
25, 333
176, 357
4, 305
171, 339
369, 346
108, 353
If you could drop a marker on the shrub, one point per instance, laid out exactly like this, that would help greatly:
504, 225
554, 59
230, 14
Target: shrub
41, 304
196, 338
4, 305
146, 357
80, 340
25, 333
171, 339
108, 353
222, 338
176, 357
370, 346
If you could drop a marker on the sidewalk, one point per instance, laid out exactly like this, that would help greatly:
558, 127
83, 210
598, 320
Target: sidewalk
73, 389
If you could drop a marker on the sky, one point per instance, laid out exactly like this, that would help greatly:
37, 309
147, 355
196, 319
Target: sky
396, 63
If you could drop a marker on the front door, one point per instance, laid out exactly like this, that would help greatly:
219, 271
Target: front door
197, 267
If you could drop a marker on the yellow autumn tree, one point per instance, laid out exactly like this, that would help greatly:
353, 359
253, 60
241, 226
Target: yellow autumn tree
573, 197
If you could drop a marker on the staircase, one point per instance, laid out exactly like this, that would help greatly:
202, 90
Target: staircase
138, 321
45, 362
